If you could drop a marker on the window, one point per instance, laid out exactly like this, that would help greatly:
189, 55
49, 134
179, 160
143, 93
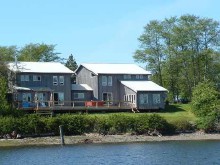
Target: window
58, 98
26, 97
109, 80
127, 76
104, 80
36, 78
141, 76
24, 77
61, 80
143, 98
55, 80
137, 77
134, 99
79, 95
107, 97
156, 98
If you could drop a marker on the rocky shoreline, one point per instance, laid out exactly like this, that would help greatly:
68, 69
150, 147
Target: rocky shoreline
97, 138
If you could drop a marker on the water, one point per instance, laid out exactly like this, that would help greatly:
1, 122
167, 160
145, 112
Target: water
152, 153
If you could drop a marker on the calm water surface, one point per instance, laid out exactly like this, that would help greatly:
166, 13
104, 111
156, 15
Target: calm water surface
152, 153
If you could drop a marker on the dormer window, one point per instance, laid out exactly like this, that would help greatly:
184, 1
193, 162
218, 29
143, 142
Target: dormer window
127, 76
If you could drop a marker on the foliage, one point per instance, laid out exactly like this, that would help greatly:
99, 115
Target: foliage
205, 99
71, 63
79, 124
181, 52
205, 106
3, 90
183, 125
38, 52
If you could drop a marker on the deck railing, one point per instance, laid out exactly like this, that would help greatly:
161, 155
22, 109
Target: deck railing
36, 105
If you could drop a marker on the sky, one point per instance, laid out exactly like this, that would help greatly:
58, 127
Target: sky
94, 31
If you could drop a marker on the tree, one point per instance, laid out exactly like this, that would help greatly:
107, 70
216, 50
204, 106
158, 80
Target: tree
3, 92
7, 53
181, 52
38, 52
71, 63
152, 49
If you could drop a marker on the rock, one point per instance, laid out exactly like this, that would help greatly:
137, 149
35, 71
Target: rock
87, 141
14, 135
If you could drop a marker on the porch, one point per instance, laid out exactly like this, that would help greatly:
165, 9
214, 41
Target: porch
76, 106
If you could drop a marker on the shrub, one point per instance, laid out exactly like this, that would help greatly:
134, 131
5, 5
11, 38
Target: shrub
142, 124
102, 125
183, 126
121, 123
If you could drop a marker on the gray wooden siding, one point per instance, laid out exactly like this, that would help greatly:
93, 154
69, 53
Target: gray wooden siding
47, 81
84, 77
150, 104
88, 97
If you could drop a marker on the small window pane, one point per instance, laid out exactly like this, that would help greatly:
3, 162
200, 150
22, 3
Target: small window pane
144, 98
104, 80
36, 78
55, 80
79, 95
61, 79
156, 98
109, 80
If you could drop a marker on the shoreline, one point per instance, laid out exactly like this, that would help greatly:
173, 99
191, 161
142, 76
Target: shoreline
101, 139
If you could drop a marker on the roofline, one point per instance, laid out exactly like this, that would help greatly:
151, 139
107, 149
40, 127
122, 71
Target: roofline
110, 73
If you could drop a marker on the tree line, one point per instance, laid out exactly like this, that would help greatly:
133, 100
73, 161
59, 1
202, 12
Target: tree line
181, 52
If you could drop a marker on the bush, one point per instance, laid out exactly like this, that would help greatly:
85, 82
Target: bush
102, 125
142, 124
121, 123
204, 99
183, 126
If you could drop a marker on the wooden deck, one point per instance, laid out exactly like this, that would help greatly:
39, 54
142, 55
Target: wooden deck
74, 109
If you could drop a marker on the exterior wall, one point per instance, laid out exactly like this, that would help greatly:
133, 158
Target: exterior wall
115, 89
81, 102
47, 81
151, 104
85, 76
127, 92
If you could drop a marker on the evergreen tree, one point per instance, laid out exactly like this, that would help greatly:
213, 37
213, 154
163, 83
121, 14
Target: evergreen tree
71, 63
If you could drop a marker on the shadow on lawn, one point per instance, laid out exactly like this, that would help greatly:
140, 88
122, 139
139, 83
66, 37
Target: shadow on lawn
173, 108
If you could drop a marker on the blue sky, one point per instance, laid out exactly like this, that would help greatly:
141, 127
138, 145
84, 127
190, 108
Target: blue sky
93, 31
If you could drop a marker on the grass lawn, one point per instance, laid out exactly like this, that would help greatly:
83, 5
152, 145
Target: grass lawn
171, 113
176, 112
